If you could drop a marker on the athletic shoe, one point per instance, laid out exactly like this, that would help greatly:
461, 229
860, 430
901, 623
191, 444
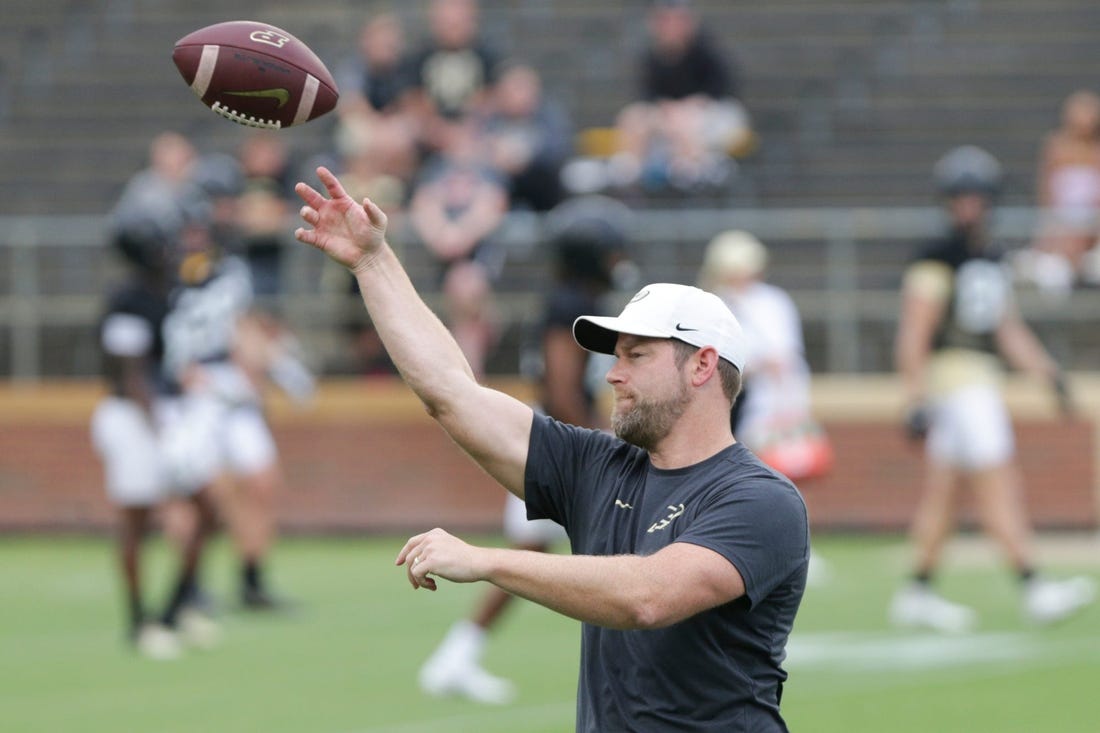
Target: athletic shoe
445, 675
819, 572
918, 606
258, 599
1050, 601
158, 642
197, 629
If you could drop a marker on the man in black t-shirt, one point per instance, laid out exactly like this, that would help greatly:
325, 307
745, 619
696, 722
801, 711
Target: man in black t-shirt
689, 555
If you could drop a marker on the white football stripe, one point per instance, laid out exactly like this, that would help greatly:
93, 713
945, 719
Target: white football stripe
309, 96
206, 69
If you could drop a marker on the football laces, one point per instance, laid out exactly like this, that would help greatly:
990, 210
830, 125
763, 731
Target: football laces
246, 120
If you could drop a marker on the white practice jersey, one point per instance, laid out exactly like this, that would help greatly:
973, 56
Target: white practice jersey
200, 326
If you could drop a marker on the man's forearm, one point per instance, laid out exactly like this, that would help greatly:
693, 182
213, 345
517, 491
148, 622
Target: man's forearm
419, 344
604, 591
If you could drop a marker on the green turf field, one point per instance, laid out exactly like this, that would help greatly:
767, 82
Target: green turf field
346, 661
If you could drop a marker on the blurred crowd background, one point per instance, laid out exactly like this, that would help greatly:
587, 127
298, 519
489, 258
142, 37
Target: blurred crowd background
813, 125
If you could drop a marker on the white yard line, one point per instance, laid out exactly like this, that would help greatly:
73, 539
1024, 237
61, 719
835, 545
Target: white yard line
870, 652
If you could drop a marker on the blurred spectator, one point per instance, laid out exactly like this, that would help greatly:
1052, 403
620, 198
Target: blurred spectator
264, 206
453, 70
456, 206
378, 78
772, 415
680, 133
529, 138
377, 135
380, 167
1068, 185
589, 239
958, 315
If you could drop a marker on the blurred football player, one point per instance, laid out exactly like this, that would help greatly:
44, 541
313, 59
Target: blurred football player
127, 429
958, 314
224, 355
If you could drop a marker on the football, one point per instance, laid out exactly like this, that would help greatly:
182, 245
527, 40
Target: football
255, 74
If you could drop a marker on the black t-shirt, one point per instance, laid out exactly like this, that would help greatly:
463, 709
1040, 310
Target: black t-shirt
564, 304
383, 87
701, 69
147, 307
719, 670
451, 77
980, 290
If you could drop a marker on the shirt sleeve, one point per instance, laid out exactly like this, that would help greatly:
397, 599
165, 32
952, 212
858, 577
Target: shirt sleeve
126, 335
763, 532
564, 462
928, 279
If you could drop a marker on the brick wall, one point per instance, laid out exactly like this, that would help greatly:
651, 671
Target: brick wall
365, 457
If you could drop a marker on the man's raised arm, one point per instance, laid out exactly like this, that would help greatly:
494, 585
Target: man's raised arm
492, 427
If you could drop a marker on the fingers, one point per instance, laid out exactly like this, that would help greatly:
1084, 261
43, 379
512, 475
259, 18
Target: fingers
405, 551
415, 558
374, 213
332, 183
309, 215
418, 567
309, 195
306, 236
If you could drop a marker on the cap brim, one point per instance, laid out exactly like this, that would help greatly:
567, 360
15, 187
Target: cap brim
600, 333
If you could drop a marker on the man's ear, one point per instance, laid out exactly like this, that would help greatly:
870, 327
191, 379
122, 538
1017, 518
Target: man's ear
705, 365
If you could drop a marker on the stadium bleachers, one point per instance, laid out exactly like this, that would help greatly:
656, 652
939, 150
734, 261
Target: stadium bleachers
851, 100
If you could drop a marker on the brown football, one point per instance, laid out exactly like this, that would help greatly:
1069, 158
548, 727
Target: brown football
255, 74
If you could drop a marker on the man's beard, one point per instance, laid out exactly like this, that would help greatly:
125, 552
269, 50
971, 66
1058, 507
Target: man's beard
648, 422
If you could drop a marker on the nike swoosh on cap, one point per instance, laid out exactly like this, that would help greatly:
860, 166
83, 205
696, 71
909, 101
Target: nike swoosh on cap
682, 328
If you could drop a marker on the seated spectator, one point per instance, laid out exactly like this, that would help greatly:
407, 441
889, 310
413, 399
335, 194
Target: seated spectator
377, 86
456, 206
1068, 186
379, 165
264, 205
680, 133
453, 70
377, 79
529, 138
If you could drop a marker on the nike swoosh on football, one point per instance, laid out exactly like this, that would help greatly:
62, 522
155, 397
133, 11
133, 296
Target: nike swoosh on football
282, 95
681, 328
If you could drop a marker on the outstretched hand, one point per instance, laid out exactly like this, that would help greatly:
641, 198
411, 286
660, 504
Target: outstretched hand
348, 232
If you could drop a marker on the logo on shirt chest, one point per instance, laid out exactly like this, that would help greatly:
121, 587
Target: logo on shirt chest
674, 511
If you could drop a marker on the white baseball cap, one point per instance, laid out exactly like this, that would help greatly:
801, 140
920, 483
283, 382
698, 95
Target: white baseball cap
735, 253
667, 310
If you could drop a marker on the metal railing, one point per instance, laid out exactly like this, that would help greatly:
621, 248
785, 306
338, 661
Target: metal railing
841, 265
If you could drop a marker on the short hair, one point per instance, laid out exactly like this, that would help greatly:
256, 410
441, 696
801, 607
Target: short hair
727, 372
